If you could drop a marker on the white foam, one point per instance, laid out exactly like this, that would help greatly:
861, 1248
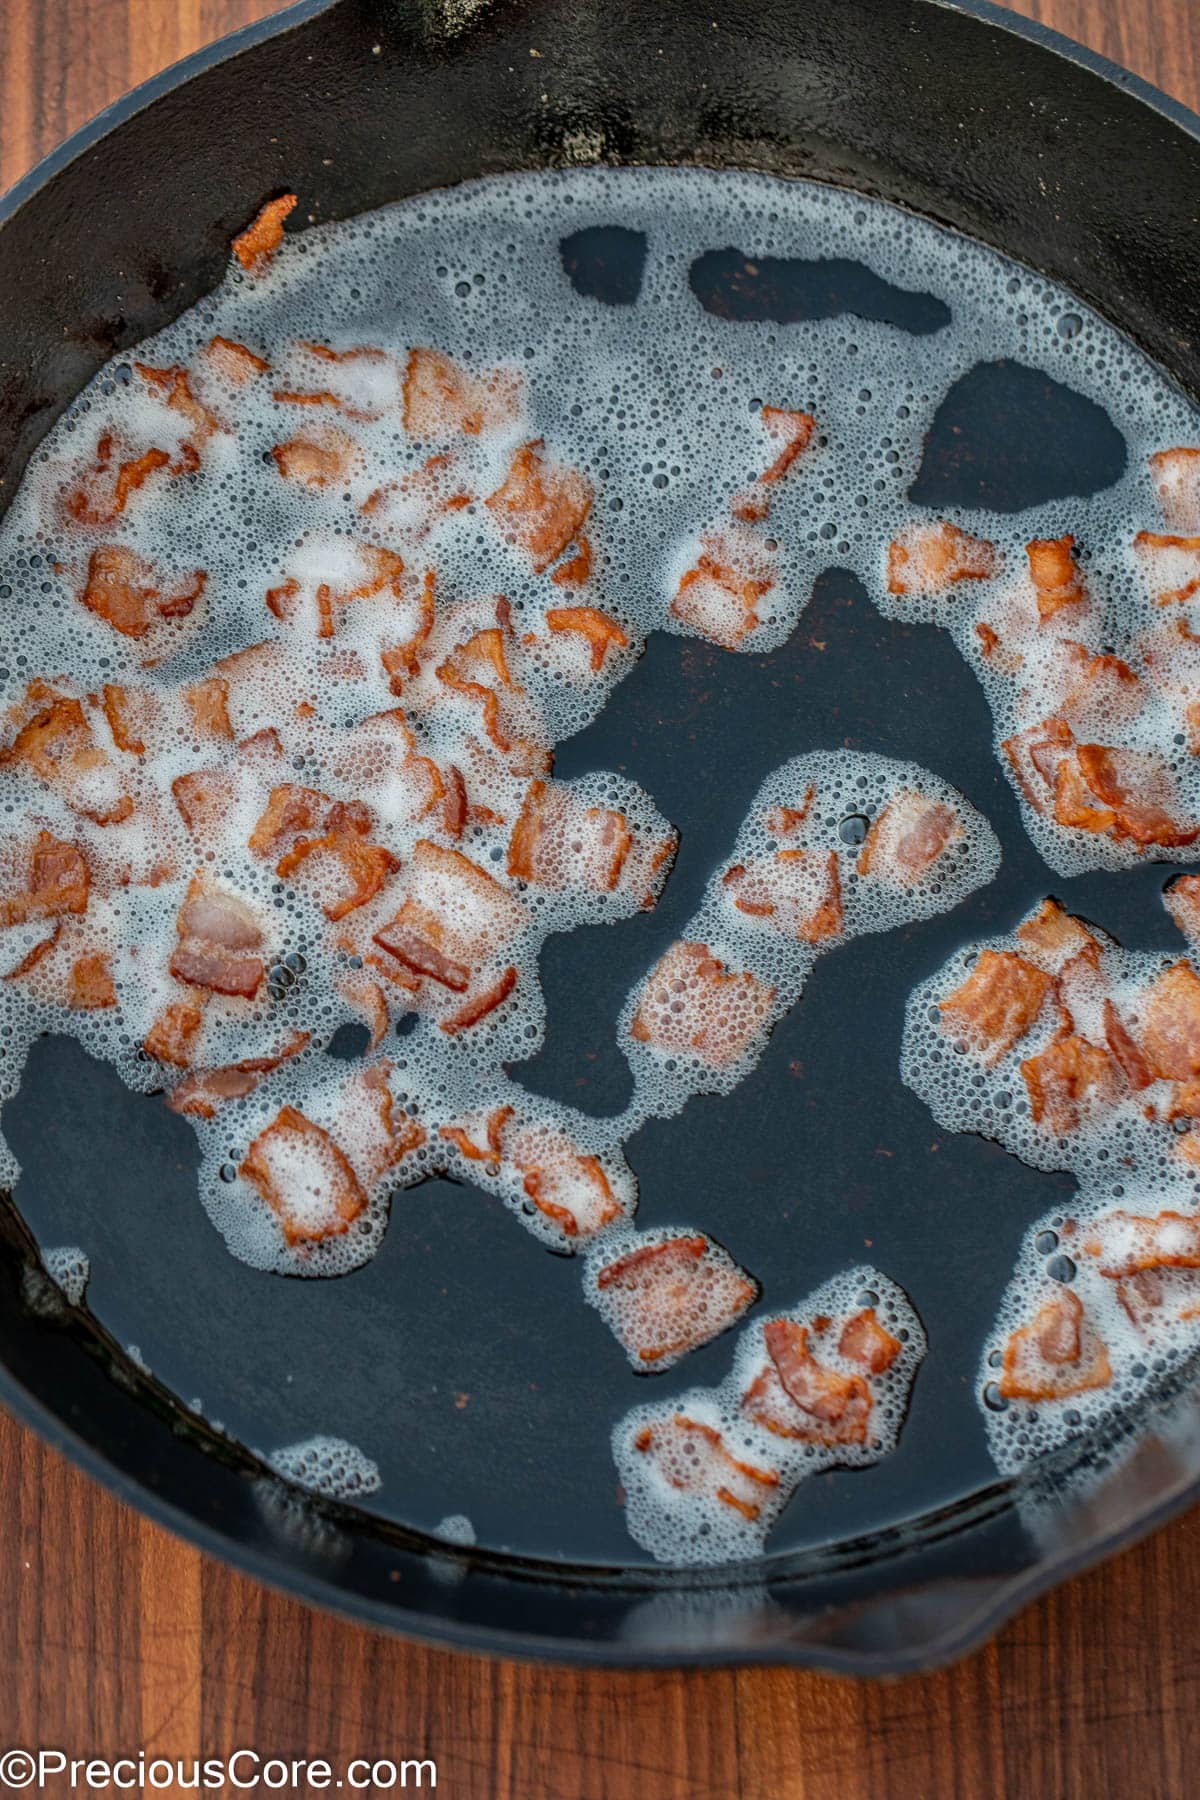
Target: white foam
328, 1466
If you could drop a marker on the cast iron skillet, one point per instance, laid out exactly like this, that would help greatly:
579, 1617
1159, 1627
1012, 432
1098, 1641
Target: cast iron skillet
962, 113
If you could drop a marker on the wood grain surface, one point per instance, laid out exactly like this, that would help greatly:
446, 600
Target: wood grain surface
115, 1637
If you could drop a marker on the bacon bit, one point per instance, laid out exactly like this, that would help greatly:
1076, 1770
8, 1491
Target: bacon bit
121, 588
1168, 1240
864, 1340
694, 1457
422, 493
441, 399
217, 935
1059, 936
555, 839
32, 958
293, 1162
673, 1296
690, 1002
569, 1189
1055, 574
491, 1152
1066, 1075
118, 710
256, 246
578, 570
826, 1407
402, 660
172, 1037
1176, 477
325, 397
327, 457
908, 837
454, 802
236, 362
781, 821
91, 984
998, 1002
208, 702
989, 639
1134, 783
175, 386
927, 559
292, 812
103, 492
1045, 1359
386, 571
601, 631
480, 1005
204, 798
1177, 553
1125, 1050
369, 1001
200, 1095
719, 597
1181, 898
59, 883
281, 600
794, 430
1170, 1023
423, 958
57, 744
392, 1134
366, 867
800, 889
541, 506
1035, 756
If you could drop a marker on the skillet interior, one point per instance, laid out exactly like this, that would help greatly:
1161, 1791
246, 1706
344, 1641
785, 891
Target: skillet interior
944, 112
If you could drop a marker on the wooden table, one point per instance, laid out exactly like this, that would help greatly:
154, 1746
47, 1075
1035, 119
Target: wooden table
114, 1636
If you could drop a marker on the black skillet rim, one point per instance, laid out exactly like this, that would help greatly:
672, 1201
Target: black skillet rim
971, 1627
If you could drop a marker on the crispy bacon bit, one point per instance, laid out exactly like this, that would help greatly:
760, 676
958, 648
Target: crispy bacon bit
491, 1151
1101, 685
1181, 898
909, 836
369, 1001
928, 559
1036, 755
1137, 786
1056, 1355
218, 935
1125, 1050
104, 490
172, 1037
1170, 1023
670, 1297
91, 984
691, 1456
386, 1134
1056, 937
1176, 477
360, 405
235, 362
122, 589
58, 884
576, 571
691, 1002
441, 399
781, 821
292, 812
1057, 580
360, 868
568, 1188
205, 798
997, 1003
480, 1005
1170, 560
454, 802
326, 457
208, 703
423, 958
800, 890
200, 1095
599, 629
719, 596
304, 1177
795, 1396
256, 246
1127, 1244
865, 1341
793, 431
32, 958
174, 384
455, 917
557, 842
541, 506
57, 744
401, 660
1069, 1074
120, 706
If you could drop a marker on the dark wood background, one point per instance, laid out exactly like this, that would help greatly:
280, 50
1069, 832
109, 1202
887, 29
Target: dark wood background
114, 1636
